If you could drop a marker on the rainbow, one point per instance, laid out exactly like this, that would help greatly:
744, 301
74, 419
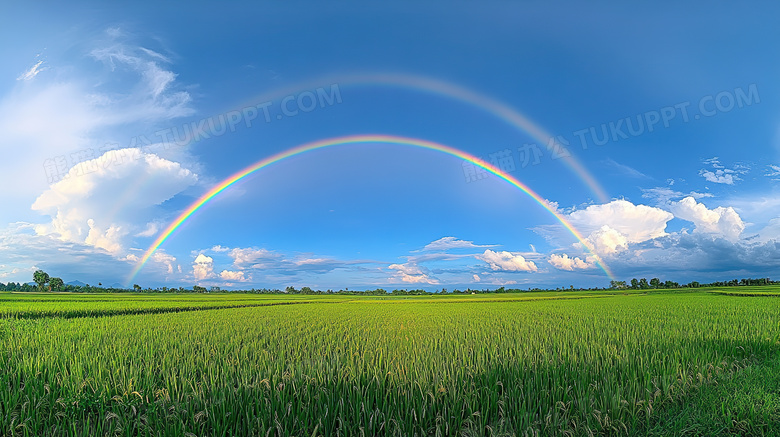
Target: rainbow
355, 139
445, 89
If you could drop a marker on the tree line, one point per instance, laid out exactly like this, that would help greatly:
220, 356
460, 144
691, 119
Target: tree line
643, 284
44, 282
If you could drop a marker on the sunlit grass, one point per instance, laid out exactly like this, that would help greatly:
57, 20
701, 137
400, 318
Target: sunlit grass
421, 366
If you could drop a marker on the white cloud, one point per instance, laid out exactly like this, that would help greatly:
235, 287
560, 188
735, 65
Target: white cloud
203, 267
719, 176
447, 243
154, 96
476, 278
507, 261
32, 72
100, 206
664, 195
719, 221
722, 175
714, 162
258, 257
635, 222
160, 257
234, 276
773, 172
608, 241
697, 195
563, 262
412, 274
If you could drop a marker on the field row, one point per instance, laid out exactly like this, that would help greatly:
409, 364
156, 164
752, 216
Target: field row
69, 305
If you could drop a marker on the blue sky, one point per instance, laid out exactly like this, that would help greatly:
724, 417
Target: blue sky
89, 181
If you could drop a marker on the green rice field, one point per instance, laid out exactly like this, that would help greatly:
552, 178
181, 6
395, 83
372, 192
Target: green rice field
532, 364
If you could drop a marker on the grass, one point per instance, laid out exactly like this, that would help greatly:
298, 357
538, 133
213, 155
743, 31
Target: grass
743, 403
70, 305
528, 364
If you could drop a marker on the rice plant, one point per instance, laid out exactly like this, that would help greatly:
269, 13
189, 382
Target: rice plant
412, 366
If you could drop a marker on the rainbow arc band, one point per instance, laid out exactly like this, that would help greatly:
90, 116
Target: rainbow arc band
357, 139
449, 90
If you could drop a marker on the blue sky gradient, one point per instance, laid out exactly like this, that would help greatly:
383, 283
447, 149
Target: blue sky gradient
85, 90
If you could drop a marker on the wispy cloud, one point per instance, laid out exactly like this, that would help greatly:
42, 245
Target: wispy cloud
625, 170
664, 195
773, 172
32, 72
447, 243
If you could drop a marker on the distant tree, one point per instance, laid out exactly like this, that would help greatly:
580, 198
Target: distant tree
136, 287
634, 283
655, 283
199, 289
41, 278
56, 284
643, 284
617, 284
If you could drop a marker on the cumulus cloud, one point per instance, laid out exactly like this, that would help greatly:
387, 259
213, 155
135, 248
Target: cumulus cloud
412, 274
203, 267
476, 277
447, 243
563, 262
167, 260
725, 176
635, 222
608, 241
719, 174
233, 276
507, 261
719, 221
98, 203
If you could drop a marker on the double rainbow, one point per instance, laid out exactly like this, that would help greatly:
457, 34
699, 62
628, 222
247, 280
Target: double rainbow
355, 139
449, 90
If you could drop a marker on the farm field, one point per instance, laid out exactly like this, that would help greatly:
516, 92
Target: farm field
569, 363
